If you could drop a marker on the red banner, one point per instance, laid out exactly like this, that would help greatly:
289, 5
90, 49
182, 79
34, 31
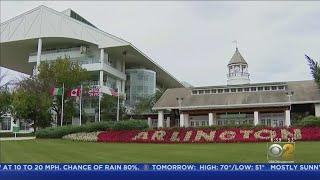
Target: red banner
190, 135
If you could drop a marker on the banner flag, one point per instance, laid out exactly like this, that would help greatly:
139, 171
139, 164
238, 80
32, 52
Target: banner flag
94, 91
112, 92
55, 91
74, 92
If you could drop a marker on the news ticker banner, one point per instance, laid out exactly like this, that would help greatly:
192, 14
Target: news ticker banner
54, 167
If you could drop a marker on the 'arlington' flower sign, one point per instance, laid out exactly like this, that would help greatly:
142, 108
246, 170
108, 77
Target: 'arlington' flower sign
190, 135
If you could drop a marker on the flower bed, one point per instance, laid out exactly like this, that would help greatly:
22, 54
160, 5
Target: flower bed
93, 136
190, 135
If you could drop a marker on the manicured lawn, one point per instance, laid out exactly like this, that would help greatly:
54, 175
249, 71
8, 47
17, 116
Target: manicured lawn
53, 150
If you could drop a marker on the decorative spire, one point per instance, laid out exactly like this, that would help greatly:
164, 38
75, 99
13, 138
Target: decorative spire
237, 58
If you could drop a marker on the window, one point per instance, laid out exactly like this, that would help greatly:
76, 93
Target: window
233, 90
220, 90
253, 88
192, 124
260, 88
280, 87
197, 123
207, 91
274, 88
203, 123
226, 90
267, 88
194, 92
240, 89
6, 123
201, 91
246, 89
213, 91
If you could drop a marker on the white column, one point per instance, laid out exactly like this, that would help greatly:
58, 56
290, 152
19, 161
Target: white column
160, 119
210, 119
38, 55
101, 79
184, 120
11, 124
181, 120
317, 110
287, 121
168, 122
150, 122
101, 55
256, 118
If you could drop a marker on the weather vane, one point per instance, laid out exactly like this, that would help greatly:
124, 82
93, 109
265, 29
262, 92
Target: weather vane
236, 42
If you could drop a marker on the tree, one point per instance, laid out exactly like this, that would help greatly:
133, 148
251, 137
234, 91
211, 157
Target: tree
5, 96
145, 104
58, 73
109, 108
32, 103
5, 102
315, 69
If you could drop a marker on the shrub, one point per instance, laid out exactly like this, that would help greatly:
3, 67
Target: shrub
131, 125
92, 136
59, 132
309, 121
11, 134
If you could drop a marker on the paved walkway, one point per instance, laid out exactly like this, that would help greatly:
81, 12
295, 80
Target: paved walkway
16, 139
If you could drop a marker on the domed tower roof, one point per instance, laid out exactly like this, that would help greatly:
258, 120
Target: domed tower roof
237, 58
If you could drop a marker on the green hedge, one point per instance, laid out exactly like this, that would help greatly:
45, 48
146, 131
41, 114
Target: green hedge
131, 125
10, 134
309, 121
59, 132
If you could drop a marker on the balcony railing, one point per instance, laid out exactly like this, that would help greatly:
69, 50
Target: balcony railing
238, 74
56, 51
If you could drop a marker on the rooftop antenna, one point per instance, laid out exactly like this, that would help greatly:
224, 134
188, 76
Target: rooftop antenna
236, 42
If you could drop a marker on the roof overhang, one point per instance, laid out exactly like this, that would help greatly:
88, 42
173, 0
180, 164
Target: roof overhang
235, 106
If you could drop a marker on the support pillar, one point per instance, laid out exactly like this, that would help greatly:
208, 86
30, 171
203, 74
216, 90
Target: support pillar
317, 110
210, 119
150, 122
101, 56
101, 79
184, 120
160, 119
181, 120
38, 55
168, 122
256, 118
287, 121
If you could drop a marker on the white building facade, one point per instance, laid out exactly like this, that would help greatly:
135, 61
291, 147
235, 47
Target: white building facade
43, 34
273, 104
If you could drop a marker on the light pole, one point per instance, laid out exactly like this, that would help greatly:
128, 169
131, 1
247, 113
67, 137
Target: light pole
179, 99
289, 94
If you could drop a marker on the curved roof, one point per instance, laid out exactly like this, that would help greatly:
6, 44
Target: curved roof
19, 36
237, 58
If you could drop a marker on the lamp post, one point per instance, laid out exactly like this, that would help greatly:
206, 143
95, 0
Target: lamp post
289, 94
179, 99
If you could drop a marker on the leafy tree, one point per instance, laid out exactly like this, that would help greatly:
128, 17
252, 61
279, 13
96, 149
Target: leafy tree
145, 104
109, 108
5, 96
5, 102
315, 69
58, 73
32, 103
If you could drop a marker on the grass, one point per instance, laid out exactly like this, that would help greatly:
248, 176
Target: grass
57, 150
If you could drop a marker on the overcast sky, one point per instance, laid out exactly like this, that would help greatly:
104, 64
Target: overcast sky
193, 40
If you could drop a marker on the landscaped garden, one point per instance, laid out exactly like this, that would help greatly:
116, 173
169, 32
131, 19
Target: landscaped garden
208, 144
